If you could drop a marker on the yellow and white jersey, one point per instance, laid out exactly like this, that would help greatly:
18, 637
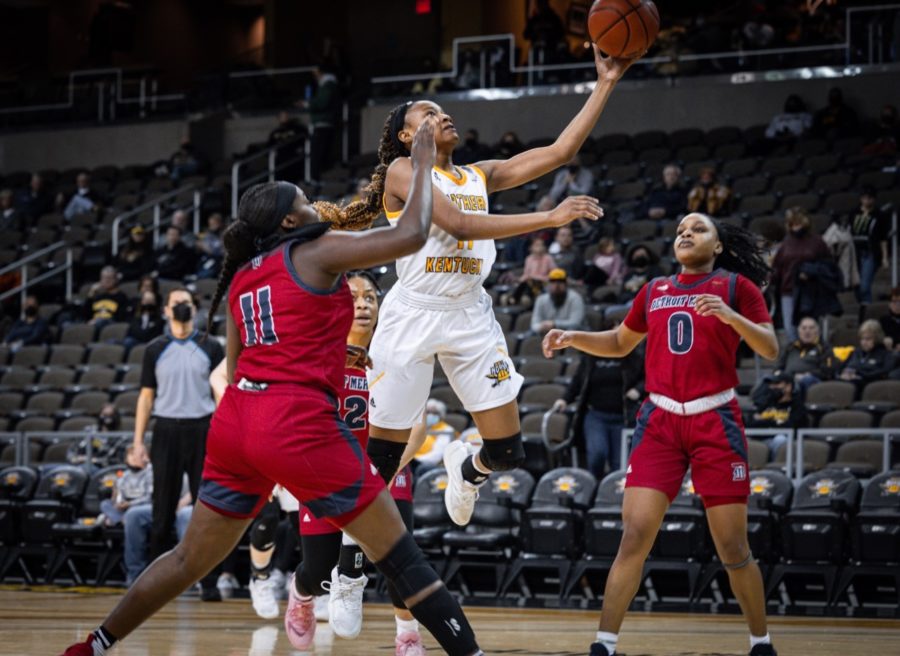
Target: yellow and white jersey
445, 266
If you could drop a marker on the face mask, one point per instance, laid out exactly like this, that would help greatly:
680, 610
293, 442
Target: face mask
640, 261
132, 468
148, 308
432, 418
31, 311
182, 312
471, 141
107, 421
798, 232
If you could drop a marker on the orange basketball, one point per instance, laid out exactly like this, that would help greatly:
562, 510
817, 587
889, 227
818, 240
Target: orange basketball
623, 28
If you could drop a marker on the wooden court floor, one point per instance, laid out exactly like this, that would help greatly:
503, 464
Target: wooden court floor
43, 623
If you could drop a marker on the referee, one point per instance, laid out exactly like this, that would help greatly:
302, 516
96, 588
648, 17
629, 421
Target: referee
175, 389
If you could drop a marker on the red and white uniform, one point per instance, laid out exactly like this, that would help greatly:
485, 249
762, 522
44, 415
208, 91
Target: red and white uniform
692, 418
281, 421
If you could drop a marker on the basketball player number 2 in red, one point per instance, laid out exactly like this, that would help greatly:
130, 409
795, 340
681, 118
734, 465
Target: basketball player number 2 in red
681, 333
256, 309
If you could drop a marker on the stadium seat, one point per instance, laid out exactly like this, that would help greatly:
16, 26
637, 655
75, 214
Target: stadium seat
737, 168
78, 333
66, 355
686, 137
57, 377
29, 356
114, 332
536, 370
551, 535
756, 205
750, 185
97, 378
730, 151
879, 397
830, 395
782, 165
793, 183
723, 135
831, 183
543, 453
622, 173
757, 453
878, 179
807, 202
862, 458
639, 230
815, 456
78, 423
105, 354
817, 164
540, 397
430, 512
17, 485
846, 419
36, 425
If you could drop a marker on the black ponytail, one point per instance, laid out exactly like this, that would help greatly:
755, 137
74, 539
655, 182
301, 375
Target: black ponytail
741, 253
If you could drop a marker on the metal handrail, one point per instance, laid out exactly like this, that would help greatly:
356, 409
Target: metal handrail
271, 154
25, 283
89, 432
156, 206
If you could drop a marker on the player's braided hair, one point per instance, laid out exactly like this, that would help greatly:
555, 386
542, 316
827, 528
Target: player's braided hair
741, 253
359, 214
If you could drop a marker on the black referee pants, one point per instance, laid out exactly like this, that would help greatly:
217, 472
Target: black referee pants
178, 448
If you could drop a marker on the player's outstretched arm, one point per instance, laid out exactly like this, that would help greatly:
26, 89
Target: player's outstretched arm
531, 164
341, 251
615, 343
759, 336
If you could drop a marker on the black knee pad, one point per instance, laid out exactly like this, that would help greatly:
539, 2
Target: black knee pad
504, 454
406, 567
262, 534
385, 455
406, 512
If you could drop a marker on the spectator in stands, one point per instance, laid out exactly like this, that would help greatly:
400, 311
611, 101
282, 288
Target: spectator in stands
800, 245
538, 266
884, 137
148, 283
607, 266
641, 266
778, 403
508, 146
83, 200
871, 361
558, 307
471, 150
147, 323
174, 260
182, 220
106, 303
30, 329
708, 195
209, 247
132, 489
890, 323
545, 30
606, 391
183, 163
567, 255
572, 180
175, 389
289, 129
108, 419
438, 434
870, 228
34, 202
836, 120
808, 359
359, 192
136, 258
669, 200
10, 218
792, 124
324, 116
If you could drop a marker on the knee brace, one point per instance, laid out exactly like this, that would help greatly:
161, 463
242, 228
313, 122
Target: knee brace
385, 455
262, 535
743, 563
503, 454
406, 567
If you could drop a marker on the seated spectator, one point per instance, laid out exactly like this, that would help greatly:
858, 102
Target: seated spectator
508, 146
438, 434
210, 248
836, 120
572, 180
641, 266
182, 220
884, 136
871, 361
792, 124
34, 202
890, 323
668, 200
808, 359
174, 260
800, 245
136, 258
870, 229
607, 266
289, 128
106, 303
10, 218
109, 420
184, 162
148, 322
538, 266
30, 329
132, 489
777, 404
148, 283
558, 307
471, 149
567, 254
83, 200
709, 196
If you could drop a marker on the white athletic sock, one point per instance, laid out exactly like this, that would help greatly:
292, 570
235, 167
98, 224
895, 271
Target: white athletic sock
347, 541
406, 626
608, 640
481, 468
763, 640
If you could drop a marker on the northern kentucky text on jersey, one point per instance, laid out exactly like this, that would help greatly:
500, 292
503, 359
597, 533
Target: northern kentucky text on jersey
355, 383
456, 264
468, 202
667, 302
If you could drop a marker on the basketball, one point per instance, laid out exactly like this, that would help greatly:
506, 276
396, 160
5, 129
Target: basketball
623, 28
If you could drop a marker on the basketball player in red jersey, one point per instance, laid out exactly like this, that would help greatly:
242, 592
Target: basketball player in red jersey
290, 312
693, 323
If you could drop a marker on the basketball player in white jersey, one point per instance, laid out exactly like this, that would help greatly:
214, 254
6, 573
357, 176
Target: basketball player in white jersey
439, 308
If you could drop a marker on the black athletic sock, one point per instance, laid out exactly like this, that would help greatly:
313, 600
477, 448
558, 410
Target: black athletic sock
441, 615
351, 561
471, 474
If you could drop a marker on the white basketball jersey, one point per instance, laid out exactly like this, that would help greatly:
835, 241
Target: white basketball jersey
445, 266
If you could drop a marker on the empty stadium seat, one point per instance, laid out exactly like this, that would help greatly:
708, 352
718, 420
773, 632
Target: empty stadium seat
879, 397
861, 458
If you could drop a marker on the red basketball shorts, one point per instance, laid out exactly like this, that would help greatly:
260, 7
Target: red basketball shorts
401, 490
287, 434
711, 443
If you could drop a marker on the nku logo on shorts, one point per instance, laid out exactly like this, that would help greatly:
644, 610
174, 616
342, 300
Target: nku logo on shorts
499, 372
738, 471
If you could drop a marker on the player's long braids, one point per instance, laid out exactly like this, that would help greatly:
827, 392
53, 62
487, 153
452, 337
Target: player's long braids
359, 214
741, 253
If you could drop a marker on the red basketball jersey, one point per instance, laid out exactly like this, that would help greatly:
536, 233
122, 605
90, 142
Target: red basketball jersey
689, 356
291, 333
